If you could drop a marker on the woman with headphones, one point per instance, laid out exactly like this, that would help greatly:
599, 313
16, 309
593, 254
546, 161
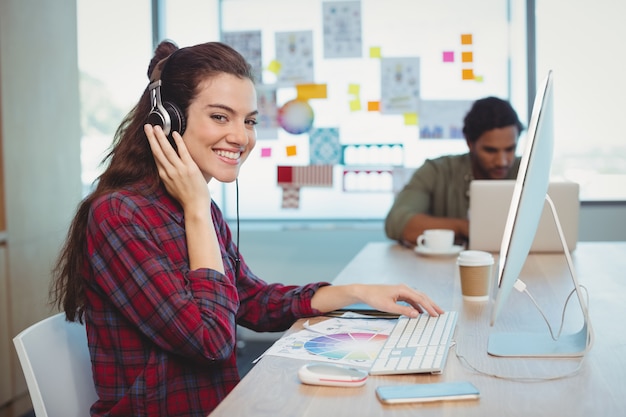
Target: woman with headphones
149, 263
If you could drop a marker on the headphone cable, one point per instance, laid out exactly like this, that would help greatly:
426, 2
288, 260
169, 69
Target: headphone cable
237, 258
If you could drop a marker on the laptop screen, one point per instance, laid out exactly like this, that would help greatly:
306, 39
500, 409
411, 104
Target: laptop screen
489, 207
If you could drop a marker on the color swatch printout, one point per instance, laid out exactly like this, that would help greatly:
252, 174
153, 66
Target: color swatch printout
349, 341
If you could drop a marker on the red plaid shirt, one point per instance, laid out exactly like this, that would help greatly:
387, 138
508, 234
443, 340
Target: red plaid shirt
162, 337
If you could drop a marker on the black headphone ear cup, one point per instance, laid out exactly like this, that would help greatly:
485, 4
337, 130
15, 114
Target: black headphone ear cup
155, 118
177, 118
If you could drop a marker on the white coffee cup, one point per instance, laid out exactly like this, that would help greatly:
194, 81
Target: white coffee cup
436, 240
475, 271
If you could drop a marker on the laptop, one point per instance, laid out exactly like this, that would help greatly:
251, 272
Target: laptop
489, 208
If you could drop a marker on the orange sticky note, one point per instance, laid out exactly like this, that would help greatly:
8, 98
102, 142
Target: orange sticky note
466, 39
373, 106
467, 57
410, 119
375, 52
468, 74
309, 91
291, 150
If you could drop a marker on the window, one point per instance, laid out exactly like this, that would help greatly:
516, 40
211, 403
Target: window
583, 44
112, 68
587, 65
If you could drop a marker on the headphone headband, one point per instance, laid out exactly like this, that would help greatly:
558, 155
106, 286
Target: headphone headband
165, 114
159, 67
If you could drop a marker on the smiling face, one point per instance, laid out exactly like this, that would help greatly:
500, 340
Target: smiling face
221, 121
493, 153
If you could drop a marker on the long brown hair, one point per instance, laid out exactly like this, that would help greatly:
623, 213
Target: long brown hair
130, 159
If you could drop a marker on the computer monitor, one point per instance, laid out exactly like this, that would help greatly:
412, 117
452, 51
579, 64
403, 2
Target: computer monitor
529, 197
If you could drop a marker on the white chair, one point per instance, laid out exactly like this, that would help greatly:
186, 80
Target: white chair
56, 363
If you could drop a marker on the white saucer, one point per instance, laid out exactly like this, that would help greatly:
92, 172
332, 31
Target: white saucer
423, 250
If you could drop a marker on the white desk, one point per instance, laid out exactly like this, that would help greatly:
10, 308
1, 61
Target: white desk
599, 389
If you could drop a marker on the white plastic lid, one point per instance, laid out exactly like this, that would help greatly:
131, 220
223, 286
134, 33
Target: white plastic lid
474, 258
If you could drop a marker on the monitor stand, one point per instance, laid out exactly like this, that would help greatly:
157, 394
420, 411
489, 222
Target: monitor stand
542, 344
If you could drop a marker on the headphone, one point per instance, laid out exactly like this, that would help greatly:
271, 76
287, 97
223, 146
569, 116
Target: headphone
165, 114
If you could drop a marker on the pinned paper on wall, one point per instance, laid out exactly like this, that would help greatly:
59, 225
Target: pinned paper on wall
248, 44
373, 155
291, 150
400, 85
375, 52
360, 180
401, 176
373, 106
310, 91
324, 146
274, 66
267, 119
354, 89
309, 175
291, 197
443, 119
467, 74
355, 104
294, 51
410, 119
342, 29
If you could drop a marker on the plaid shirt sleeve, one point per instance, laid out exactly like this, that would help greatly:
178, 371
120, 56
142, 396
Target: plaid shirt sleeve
263, 307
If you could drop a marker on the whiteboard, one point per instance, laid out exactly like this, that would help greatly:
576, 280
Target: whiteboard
364, 178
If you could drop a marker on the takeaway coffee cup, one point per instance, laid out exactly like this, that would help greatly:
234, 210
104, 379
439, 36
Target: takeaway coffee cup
475, 271
436, 240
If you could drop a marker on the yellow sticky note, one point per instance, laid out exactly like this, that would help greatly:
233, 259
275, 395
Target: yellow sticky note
478, 78
466, 39
467, 57
274, 66
468, 74
309, 91
355, 105
373, 106
291, 150
354, 89
410, 119
375, 52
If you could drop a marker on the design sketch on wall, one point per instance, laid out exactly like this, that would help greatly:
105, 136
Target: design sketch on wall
399, 85
294, 52
342, 29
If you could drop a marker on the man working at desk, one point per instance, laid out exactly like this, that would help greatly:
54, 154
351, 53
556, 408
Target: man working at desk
437, 196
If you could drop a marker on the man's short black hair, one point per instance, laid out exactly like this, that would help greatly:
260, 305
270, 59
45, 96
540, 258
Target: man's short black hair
489, 113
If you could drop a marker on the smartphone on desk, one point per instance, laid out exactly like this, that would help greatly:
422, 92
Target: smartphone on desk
412, 393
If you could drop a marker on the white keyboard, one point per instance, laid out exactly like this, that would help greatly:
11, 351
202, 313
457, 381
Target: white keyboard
416, 345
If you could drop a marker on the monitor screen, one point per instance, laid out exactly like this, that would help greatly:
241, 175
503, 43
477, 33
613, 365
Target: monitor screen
529, 197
